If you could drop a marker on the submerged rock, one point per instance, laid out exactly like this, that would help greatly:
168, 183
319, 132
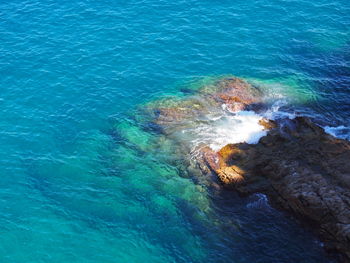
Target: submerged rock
235, 94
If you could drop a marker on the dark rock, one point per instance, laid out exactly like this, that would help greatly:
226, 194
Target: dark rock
303, 170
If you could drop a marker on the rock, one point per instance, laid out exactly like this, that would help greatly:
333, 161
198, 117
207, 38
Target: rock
303, 170
268, 124
230, 174
238, 90
235, 93
171, 115
297, 165
207, 160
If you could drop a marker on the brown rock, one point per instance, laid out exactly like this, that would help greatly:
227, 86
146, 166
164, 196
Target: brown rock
236, 94
268, 124
238, 90
230, 174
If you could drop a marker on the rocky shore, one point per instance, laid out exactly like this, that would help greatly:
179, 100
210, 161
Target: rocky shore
301, 169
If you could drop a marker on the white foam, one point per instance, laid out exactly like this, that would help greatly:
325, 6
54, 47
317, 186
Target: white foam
242, 126
341, 131
275, 113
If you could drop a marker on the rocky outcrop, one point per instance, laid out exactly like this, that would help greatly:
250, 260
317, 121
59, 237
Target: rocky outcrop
297, 165
302, 169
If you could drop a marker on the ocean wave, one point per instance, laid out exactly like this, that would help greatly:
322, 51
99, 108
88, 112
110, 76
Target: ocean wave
341, 132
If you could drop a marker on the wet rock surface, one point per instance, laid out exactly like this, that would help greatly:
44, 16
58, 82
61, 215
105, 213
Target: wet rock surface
297, 165
302, 169
234, 93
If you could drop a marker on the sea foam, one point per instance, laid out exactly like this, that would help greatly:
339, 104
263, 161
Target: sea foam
341, 131
242, 126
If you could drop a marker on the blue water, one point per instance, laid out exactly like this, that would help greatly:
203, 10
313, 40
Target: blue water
81, 181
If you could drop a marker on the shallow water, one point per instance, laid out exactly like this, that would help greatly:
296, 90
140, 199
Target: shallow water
82, 180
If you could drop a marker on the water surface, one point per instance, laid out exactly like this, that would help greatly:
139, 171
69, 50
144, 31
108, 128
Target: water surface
83, 181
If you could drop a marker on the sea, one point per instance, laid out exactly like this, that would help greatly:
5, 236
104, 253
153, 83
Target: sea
82, 176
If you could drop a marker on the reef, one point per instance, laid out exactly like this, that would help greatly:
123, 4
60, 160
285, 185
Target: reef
301, 169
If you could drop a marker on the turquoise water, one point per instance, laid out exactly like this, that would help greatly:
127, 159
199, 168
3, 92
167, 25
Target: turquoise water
83, 181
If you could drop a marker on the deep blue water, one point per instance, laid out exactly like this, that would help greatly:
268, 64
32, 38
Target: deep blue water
81, 181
